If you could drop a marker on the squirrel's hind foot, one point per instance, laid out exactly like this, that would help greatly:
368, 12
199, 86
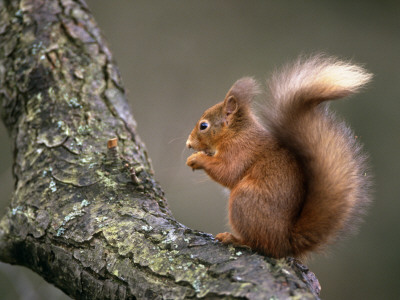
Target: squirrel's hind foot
228, 238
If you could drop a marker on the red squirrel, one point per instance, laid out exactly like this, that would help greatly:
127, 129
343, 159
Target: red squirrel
297, 175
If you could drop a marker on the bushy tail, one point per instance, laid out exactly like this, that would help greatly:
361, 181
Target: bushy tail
334, 167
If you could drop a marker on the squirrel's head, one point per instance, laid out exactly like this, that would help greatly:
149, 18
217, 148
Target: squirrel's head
221, 122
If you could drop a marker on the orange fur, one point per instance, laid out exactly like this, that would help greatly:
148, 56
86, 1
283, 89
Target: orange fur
297, 178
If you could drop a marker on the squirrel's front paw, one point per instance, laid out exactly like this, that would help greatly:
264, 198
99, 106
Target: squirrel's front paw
194, 162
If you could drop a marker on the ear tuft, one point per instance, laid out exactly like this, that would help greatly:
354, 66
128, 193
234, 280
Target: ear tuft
244, 90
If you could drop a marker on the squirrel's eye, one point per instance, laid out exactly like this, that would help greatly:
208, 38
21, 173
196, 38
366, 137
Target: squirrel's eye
203, 125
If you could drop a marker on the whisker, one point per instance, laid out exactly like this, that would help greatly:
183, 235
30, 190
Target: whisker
176, 139
203, 179
183, 150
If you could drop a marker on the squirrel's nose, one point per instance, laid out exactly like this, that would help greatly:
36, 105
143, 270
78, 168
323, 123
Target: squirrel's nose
188, 144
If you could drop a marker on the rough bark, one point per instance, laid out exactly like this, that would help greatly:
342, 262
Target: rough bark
89, 219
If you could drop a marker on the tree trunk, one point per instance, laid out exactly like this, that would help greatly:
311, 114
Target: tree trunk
90, 218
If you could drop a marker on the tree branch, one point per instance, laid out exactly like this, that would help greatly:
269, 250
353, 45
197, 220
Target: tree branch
91, 219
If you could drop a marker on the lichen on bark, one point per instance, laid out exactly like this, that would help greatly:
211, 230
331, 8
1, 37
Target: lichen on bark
89, 219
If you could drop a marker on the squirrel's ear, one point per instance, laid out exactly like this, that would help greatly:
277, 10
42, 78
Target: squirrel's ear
244, 90
230, 105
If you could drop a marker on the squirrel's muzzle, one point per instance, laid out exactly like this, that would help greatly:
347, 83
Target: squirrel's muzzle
188, 144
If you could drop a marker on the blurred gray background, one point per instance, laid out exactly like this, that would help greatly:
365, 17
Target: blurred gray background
178, 58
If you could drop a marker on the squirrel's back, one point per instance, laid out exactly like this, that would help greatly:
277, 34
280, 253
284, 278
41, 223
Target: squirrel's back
337, 183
